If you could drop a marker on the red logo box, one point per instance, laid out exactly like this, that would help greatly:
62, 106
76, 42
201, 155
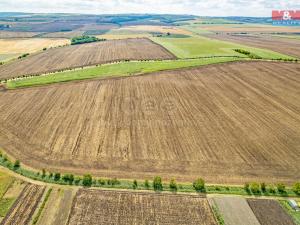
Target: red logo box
286, 15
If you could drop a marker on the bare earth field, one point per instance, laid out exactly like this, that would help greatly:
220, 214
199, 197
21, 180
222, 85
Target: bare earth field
235, 211
269, 212
128, 208
84, 55
287, 46
24, 207
227, 123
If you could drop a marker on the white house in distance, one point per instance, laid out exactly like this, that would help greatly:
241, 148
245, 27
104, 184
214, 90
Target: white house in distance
294, 205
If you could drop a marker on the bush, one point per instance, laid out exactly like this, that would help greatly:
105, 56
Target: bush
254, 187
135, 184
101, 181
43, 173
57, 176
147, 185
263, 187
173, 185
87, 180
68, 178
17, 165
85, 39
157, 184
247, 187
281, 188
113, 182
296, 188
272, 189
199, 185
77, 180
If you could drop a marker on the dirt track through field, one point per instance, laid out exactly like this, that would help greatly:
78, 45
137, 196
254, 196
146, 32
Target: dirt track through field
128, 208
269, 212
228, 123
24, 207
84, 55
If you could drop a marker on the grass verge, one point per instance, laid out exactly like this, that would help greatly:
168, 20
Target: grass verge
140, 185
295, 215
115, 69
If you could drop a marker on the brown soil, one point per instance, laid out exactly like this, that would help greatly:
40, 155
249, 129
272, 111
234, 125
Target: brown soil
269, 212
84, 55
129, 208
226, 123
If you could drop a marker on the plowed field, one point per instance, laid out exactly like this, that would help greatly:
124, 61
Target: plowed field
24, 207
84, 55
125, 208
269, 212
227, 123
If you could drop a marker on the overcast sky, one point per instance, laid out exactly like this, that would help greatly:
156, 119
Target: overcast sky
196, 7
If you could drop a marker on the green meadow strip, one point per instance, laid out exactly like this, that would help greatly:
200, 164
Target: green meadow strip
115, 70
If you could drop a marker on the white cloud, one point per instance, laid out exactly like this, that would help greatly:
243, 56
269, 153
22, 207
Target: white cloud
196, 7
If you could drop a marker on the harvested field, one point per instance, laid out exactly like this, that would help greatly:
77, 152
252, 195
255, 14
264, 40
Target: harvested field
250, 28
287, 46
13, 34
29, 45
58, 207
269, 212
241, 116
84, 55
235, 211
128, 208
152, 29
25, 205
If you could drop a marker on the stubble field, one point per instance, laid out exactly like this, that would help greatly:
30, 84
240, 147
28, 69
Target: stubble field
227, 123
125, 208
84, 55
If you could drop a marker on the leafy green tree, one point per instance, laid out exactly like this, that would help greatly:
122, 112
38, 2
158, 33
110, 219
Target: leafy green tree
296, 188
17, 165
157, 184
135, 184
199, 185
147, 185
255, 188
247, 187
87, 180
263, 187
281, 188
43, 173
57, 176
173, 185
272, 189
101, 181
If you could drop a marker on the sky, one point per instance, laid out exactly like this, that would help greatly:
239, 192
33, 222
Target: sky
192, 7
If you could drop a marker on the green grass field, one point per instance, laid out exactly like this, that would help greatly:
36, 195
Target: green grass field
116, 69
289, 210
197, 46
5, 182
